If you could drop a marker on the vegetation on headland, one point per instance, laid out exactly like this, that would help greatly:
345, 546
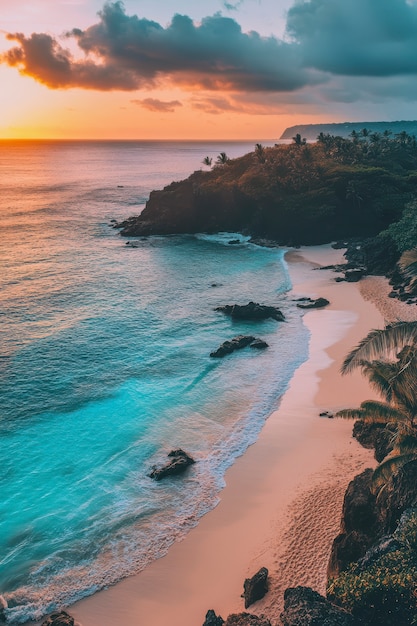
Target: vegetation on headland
362, 186
345, 129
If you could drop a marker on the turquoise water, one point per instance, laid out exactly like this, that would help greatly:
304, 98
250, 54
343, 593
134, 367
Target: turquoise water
105, 367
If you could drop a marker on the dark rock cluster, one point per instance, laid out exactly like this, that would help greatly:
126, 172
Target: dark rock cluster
178, 463
309, 303
251, 311
237, 343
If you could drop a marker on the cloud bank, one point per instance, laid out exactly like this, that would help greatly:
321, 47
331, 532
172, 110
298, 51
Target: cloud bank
341, 50
128, 53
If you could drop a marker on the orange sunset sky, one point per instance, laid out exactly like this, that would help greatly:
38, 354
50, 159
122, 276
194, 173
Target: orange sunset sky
244, 69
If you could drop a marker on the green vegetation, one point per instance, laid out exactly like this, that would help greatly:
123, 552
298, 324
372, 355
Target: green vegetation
384, 590
313, 193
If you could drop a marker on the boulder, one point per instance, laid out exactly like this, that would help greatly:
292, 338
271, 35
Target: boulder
60, 618
247, 619
179, 462
256, 587
259, 344
360, 525
237, 343
400, 493
376, 436
212, 619
354, 275
251, 311
305, 607
313, 304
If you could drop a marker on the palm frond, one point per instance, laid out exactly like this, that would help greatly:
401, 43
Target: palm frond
351, 414
408, 263
375, 411
381, 343
407, 444
390, 466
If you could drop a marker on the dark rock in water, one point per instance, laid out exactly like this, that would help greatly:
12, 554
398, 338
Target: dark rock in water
179, 462
61, 618
234, 242
377, 436
313, 304
305, 607
259, 344
212, 619
354, 275
237, 343
251, 311
247, 619
256, 587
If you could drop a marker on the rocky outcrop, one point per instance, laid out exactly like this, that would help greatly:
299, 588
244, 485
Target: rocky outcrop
212, 619
258, 344
237, 343
256, 587
366, 519
359, 527
373, 435
247, 619
305, 607
251, 312
309, 303
179, 462
355, 274
61, 618
399, 494
191, 206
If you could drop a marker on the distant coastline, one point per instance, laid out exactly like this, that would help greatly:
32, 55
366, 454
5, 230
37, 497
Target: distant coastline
344, 129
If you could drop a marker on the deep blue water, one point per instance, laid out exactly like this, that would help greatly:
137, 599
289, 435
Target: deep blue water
104, 365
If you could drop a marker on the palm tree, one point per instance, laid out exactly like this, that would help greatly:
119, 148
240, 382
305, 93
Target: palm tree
260, 153
407, 265
393, 373
298, 141
222, 159
207, 161
353, 195
383, 343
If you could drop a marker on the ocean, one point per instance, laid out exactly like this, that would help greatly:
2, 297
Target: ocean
105, 366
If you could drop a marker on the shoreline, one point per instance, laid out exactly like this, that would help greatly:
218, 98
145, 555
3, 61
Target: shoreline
300, 462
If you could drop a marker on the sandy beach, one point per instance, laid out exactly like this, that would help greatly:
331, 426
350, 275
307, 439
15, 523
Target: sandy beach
282, 501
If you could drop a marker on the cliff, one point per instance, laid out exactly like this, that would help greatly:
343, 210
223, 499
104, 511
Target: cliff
294, 194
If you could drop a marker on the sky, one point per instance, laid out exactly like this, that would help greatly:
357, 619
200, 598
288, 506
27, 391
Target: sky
222, 69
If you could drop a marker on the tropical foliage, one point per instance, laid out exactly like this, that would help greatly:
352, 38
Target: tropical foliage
388, 358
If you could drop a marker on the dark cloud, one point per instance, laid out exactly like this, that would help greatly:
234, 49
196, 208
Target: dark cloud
356, 37
126, 52
159, 106
339, 51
